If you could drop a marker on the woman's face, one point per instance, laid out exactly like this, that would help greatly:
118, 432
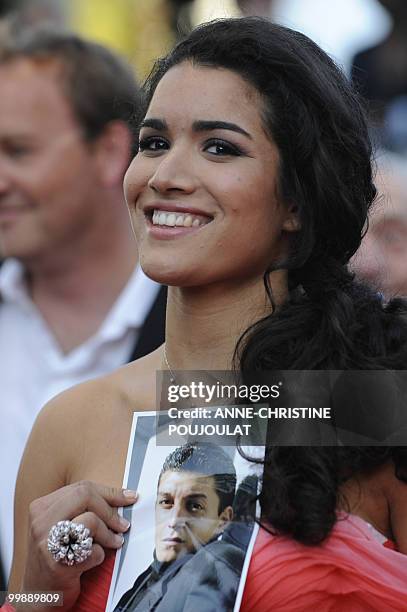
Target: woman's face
202, 190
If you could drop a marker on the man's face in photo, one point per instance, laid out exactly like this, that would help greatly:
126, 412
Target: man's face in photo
186, 514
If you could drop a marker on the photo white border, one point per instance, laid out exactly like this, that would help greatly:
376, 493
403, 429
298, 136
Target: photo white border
111, 602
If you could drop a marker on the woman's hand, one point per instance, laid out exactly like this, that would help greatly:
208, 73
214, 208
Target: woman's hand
91, 504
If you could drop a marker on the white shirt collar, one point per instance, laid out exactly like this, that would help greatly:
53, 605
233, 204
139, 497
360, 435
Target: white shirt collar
12, 283
129, 310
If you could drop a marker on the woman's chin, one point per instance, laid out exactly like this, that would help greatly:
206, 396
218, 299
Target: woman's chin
165, 274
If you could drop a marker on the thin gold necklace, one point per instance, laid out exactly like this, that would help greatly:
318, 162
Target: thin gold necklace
167, 363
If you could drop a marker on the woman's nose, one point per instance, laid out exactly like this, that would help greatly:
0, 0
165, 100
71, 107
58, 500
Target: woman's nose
174, 173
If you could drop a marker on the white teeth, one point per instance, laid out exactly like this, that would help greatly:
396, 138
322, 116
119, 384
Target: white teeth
172, 219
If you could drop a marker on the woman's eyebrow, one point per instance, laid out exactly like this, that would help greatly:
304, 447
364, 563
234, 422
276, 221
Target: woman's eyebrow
156, 124
203, 126
197, 126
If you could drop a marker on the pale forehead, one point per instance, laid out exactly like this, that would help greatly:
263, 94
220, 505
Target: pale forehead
32, 95
188, 92
185, 483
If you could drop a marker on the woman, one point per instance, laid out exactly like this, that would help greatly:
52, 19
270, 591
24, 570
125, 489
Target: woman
253, 163
354, 566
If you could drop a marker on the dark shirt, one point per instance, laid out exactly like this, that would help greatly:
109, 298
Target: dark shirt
205, 581
150, 584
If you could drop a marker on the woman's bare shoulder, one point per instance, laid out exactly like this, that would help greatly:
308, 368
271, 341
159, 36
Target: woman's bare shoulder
80, 422
130, 388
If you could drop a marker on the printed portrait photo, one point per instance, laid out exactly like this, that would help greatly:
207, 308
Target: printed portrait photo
194, 524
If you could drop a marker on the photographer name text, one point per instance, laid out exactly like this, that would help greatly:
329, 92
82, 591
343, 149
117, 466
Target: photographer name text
235, 413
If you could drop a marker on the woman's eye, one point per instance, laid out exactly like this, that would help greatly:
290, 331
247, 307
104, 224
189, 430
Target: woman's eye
153, 144
220, 147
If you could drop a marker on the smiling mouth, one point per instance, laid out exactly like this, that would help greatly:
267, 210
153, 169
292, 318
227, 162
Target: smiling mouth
177, 219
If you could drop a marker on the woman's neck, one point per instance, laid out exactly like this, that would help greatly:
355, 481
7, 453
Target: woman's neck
204, 324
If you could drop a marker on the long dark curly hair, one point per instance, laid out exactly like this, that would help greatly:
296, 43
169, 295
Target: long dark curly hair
329, 321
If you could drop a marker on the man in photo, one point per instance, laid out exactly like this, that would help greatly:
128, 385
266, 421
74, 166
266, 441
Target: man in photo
194, 562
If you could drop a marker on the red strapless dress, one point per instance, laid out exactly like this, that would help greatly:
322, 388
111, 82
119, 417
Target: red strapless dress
351, 571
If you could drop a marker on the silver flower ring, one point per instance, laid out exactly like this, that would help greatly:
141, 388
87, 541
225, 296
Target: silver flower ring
69, 543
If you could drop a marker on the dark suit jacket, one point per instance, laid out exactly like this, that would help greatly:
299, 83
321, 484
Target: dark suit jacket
152, 334
206, 581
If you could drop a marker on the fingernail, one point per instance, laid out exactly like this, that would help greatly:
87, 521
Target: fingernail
130, 494
124, 523
119, 539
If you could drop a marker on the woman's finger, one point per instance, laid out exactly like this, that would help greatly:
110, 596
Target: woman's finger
78, 492
96, 558
73, 500
100, 533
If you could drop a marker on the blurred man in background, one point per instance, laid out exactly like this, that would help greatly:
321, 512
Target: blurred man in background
72, 299
382, 258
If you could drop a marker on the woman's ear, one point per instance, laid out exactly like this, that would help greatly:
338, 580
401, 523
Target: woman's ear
292, 221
